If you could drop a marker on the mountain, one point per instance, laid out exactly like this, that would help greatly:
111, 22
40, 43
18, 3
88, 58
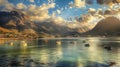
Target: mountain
50, 29
16, 22
108, 1
106, 27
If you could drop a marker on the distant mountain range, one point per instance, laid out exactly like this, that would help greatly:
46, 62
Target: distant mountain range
16, 22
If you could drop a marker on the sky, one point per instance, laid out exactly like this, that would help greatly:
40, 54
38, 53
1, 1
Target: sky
58, 10
62, 7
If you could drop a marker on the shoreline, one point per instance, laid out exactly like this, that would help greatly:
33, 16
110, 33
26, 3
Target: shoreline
18, 38
53, 38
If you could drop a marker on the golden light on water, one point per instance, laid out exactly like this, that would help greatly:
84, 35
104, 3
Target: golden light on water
94, 50
23, 44
58, 42
11, 43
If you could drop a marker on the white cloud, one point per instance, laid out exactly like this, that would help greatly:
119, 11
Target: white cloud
20, 6
92, 10
40, 13
51, 1
38, 18
79, 3
51, 5
58, 11
58, 20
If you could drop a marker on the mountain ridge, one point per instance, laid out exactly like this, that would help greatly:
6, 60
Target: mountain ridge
106, 27
17, 23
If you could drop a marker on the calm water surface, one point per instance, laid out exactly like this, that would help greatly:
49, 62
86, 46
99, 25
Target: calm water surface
61, 52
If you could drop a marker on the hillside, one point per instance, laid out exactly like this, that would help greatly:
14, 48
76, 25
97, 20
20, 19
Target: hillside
16, 22
106, 27
108, 1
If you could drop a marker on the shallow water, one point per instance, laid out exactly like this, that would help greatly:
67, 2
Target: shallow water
61, 52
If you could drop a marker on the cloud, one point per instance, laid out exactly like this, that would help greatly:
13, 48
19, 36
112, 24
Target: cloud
59, 11
79, 3
58, 20
71, 4
32, 1
39, 13
6, 5
117, 16
20, 6
51, 1
36, 13
92, 10
2, 2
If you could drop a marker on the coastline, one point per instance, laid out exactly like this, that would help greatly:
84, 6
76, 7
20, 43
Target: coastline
58, 38
17, 38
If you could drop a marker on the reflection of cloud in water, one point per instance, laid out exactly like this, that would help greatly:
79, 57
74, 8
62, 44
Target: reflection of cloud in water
11, 43
94, 51
46, 56
97, 52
